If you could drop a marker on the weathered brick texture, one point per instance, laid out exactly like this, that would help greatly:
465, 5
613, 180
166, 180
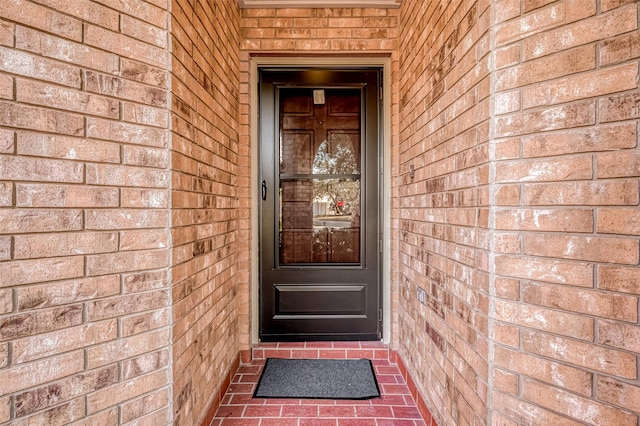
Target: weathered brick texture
84, 184
320, 30
205, 207
539, 265
566, 169
441, 204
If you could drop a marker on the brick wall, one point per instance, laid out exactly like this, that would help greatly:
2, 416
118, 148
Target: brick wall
567, 225
441, 202
205, 203
348, 30
84, 289
551, 333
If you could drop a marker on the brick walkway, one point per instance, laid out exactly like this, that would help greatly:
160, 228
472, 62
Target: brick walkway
395, 406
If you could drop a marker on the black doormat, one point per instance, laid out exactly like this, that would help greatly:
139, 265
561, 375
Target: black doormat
317, 379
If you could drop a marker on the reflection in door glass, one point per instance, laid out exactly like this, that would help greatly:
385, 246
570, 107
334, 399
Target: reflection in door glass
320, 221
337, 154
320, 171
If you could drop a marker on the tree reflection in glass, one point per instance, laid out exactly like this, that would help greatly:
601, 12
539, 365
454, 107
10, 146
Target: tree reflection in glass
336, 209
320, 178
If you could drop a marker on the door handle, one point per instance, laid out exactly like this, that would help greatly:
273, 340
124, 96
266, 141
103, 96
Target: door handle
264, 190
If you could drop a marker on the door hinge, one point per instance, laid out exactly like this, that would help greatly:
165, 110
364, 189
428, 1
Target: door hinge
381, 93
380, 315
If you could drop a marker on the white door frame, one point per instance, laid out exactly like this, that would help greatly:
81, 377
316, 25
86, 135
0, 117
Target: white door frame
384, 63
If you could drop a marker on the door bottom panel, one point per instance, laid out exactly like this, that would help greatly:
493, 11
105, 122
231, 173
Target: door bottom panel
320, 300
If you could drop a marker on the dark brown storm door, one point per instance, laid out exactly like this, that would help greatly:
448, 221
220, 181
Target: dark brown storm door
320, 232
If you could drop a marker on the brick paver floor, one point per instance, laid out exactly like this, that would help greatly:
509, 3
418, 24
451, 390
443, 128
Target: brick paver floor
395, 406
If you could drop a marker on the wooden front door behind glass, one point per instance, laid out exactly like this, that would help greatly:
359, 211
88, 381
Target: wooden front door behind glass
319, 228
319, 176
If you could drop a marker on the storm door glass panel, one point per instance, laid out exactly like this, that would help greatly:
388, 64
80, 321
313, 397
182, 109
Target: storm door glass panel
320, 176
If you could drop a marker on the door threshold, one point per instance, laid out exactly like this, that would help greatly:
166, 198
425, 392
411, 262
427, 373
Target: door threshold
321, 350
301, 338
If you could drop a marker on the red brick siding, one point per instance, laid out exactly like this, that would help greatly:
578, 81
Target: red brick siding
205, 203
441, 204
566, 196
84, 288
319, 30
